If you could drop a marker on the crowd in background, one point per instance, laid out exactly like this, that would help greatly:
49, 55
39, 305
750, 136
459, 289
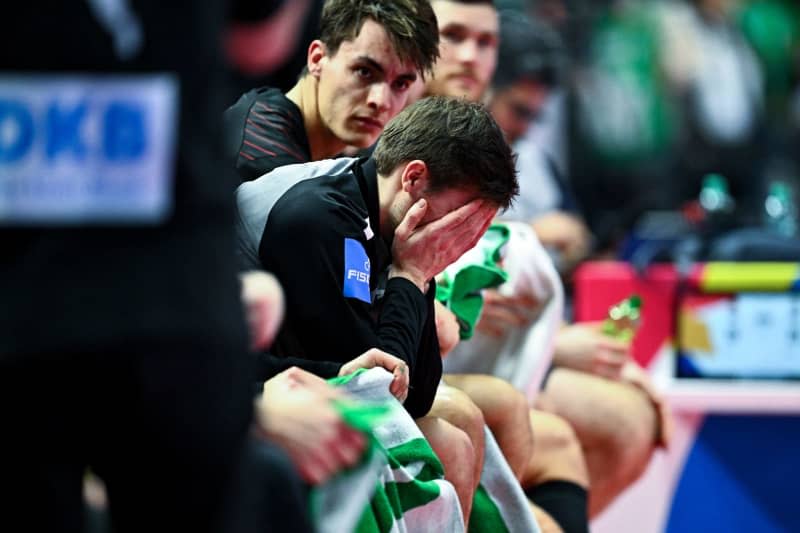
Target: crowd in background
653, 96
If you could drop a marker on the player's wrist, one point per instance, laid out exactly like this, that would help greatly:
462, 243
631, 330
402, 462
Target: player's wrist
415, 278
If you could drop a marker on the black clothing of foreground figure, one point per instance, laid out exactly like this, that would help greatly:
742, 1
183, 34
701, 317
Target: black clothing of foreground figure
122, 341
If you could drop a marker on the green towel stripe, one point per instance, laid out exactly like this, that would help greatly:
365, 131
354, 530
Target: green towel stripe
386, 507
368, 523
460, 291
379, 516
485, 516
414, 494
417, 450
392, 500
341, 380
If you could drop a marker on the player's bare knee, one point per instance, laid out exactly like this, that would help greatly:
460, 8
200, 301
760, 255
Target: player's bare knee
635, 433
513, 431
462, 450
558, 454
519, 415
560, 435
457, 408
449, 442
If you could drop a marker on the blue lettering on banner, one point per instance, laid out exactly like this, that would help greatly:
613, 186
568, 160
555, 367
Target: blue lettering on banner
87, 149
63, 130
124, 132
16, 130
356, 271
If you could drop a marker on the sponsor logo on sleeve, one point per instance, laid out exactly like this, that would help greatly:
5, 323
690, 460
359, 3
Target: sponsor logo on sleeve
356, 271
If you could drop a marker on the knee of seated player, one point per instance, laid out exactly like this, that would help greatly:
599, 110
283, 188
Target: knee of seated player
456, 453
456, 408
452, 445
447, 328
628, 439
557, 452
501, 404
505, 411
613, 417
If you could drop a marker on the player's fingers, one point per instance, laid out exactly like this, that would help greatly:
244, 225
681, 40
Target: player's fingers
454, 219
412, 219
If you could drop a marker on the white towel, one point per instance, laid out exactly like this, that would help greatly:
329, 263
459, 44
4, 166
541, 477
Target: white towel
523, 356
411, 493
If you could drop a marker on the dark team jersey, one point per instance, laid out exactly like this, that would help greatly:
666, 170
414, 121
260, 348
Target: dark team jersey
66, 285
315, 226
264, 130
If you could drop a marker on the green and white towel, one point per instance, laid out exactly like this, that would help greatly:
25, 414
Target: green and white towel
410, 493
499, 505
523, 355
460, 285
338, 505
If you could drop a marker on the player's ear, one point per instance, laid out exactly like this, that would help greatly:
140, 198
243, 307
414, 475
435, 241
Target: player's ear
317, 53
414, 178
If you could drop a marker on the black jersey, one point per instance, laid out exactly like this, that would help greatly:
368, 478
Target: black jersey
66, 285
264, 130
315, 226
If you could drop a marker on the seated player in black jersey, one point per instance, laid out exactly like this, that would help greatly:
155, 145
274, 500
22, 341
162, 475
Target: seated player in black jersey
356, 244
357, 78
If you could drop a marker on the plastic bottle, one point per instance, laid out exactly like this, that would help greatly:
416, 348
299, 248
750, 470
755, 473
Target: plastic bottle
715, 199
623, 318
780, 210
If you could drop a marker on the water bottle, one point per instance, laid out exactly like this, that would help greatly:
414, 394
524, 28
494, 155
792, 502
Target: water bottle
623, 318
780, 211
715, 199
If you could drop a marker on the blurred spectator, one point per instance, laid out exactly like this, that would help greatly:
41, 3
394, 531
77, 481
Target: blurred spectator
530, 64
772, 27
724, 107
623, 125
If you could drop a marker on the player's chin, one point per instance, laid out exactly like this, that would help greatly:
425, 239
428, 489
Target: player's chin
459, 89
360, 139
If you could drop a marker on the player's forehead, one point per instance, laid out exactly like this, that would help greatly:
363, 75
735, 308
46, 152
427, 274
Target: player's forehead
449, 199
374, 47
479, 19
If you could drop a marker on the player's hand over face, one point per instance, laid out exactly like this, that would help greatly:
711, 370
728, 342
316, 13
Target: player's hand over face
420, 252
295, 412
501, 313
584, 347
375, 357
